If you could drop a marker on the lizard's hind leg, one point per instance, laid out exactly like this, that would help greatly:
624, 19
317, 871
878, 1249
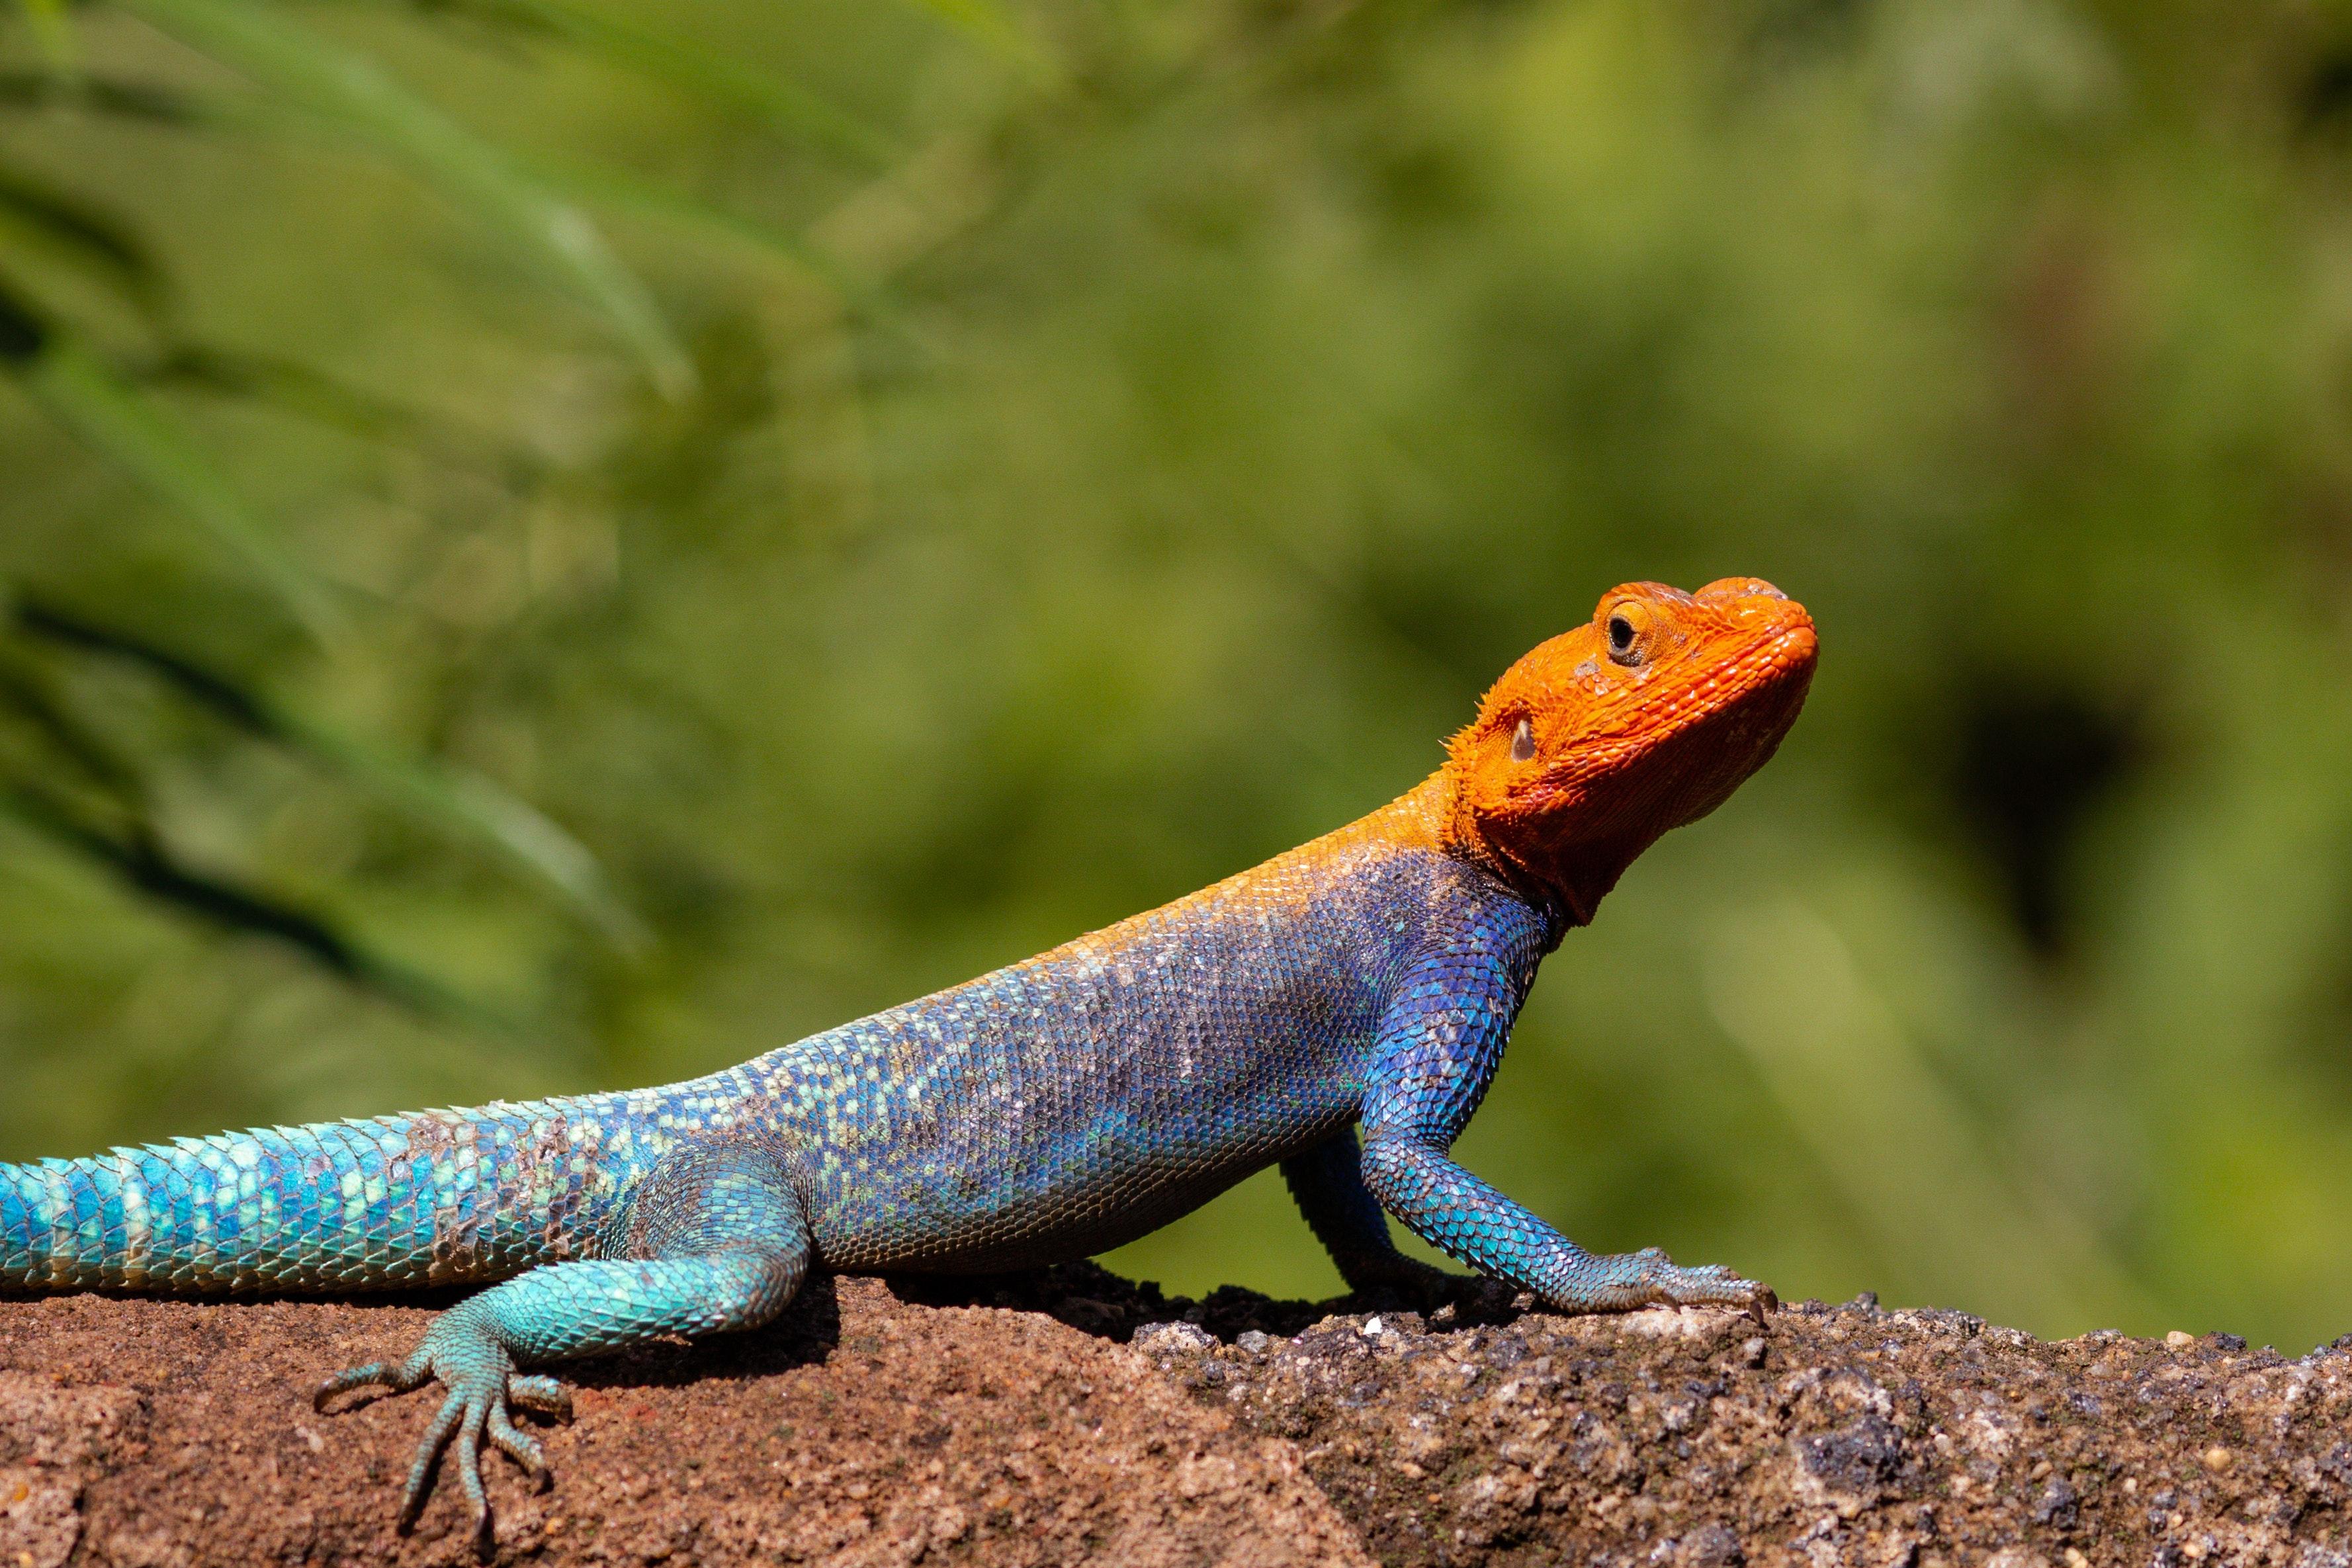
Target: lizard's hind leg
711, 1239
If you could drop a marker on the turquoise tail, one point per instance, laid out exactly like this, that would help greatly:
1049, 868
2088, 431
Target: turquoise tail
331, 1208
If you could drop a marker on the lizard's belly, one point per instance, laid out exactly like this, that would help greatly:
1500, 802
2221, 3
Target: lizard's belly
1007, 1184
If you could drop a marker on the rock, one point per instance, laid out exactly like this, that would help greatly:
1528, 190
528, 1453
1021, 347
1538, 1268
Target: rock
40, 1520
862, 1429
1070, 1416
1849, 1466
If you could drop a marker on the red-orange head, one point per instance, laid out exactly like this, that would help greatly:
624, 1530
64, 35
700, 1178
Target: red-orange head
1644, 719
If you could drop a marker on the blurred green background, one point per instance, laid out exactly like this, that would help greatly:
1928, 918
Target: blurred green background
550, 544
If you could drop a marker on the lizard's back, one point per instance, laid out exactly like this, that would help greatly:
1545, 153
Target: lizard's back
1052, 1109
1088, 1095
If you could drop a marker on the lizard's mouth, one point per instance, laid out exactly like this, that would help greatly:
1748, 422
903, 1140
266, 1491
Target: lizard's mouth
1783, 670
1733, 719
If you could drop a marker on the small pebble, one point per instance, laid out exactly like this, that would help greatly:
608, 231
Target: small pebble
2179, 1339
1174, 1339
2218, 1458
1254, 1341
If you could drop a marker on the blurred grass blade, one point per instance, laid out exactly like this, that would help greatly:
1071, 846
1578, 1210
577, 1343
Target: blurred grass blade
989, 24
117, 97
451, 801
134, 433
453, 798
53, 34
352, 92
67, 746
622, 193
792, 110
41, 222
302, 390
140, 860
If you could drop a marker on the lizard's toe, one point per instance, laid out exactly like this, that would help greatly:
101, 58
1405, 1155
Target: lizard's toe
540, 1396
1711, 1285
469, 1474
1705, 1277
344, 1382
1630, 1281
383, 1374
518, 1446
428, 1460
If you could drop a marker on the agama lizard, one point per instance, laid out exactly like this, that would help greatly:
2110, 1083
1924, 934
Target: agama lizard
1047, 1111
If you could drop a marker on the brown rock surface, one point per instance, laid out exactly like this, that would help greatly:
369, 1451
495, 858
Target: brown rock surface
1008, 1422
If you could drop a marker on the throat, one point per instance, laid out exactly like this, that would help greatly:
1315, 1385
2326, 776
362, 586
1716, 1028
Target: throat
1572, 879
1567, 881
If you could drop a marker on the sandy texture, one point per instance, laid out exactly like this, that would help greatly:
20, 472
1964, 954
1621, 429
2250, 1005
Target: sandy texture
1009, 1422
862, 1430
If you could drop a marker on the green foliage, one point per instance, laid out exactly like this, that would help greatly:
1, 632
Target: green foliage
1005, 468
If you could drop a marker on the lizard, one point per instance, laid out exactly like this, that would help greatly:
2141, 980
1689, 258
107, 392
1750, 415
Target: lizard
1338, 1010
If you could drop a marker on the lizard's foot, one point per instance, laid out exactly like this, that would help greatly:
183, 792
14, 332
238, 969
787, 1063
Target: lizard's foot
483, 1386
1650, 1279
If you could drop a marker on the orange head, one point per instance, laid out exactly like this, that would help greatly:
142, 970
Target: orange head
1603, 738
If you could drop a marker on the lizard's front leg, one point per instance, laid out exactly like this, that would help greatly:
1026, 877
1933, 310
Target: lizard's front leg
1439, 1045
1448, 1207
714, 1240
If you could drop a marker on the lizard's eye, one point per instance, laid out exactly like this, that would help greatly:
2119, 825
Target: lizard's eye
1622, 635
1523, 743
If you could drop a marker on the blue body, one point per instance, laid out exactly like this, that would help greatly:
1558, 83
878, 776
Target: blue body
1049, 1110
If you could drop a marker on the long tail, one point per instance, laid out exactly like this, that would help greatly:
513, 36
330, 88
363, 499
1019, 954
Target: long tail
431, 1198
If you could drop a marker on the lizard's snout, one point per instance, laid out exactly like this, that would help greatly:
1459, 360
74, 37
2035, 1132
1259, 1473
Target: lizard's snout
1729, 590
1758, 606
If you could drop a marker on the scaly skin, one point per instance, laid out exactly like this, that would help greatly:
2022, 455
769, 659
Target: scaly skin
1047, 1111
